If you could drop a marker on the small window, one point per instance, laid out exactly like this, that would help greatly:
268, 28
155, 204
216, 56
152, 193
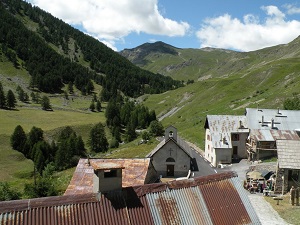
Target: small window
235, 137
208, 137
110, 173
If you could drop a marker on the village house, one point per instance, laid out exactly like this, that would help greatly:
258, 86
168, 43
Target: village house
225, 138
288, 165
185, 202
98, 175
261, 143
173, 156
252, 136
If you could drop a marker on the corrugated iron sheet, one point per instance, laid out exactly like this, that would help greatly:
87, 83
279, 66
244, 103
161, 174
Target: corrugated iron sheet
215, 199
223, 201
284, 119
273, 135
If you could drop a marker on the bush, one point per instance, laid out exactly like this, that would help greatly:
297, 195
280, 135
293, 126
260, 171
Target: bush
7, 194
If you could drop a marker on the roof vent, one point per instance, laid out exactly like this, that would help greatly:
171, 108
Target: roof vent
225, 141
272, 123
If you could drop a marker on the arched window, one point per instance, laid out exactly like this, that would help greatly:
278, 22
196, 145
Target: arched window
171, 134
170, 159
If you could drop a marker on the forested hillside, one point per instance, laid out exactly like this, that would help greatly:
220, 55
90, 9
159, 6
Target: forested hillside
55, 54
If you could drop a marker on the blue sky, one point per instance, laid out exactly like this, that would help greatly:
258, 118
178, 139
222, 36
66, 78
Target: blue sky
242, 25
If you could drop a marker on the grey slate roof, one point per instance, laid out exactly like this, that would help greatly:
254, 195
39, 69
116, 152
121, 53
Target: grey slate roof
221, 126
180, 142
283, 119
288, 154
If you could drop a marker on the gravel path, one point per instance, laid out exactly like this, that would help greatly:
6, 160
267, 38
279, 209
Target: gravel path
266, 214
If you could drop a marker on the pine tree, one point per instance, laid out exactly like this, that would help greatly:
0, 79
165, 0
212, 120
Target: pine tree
98, 106
35, 135
46, 103
2, 98
70, 87
39, 159
97, 139
18, 139
130, 131
80, 148
11, 99
21, 94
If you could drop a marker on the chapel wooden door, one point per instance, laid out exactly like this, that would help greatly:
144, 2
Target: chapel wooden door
170, 170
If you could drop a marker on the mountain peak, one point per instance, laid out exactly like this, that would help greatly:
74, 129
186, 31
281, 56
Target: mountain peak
137, 55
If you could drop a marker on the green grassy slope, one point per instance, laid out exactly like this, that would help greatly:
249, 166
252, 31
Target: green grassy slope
203, 64
266, 87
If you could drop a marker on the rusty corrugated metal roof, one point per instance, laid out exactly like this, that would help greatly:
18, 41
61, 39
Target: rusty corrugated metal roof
273, 135
105, 165
214, 199
133, 174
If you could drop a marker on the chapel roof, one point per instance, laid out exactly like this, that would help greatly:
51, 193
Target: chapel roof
180, 142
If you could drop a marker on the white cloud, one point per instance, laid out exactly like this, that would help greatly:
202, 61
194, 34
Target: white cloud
250, 33
111, 20
292, 9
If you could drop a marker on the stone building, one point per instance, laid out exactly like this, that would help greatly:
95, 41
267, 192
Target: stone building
172, 157
225, 138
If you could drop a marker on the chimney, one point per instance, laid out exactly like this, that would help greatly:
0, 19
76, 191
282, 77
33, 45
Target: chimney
224, 140
278, 112
262, 120
241, 124
107, 177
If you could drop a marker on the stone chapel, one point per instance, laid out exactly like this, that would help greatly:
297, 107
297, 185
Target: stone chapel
173, 156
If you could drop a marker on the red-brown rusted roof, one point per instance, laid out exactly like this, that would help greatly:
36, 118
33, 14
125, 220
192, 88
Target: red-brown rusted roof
215, 199
273, 135
134, 173
105, 165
